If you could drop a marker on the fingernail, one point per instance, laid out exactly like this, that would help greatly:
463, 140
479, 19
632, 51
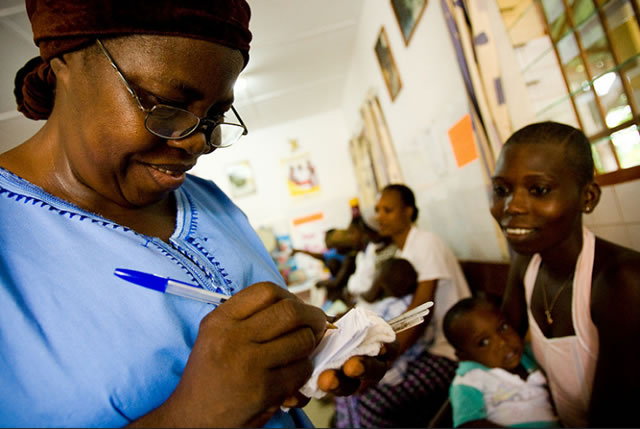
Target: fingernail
357, 369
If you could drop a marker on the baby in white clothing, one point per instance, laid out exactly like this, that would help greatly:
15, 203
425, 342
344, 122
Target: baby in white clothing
497, 382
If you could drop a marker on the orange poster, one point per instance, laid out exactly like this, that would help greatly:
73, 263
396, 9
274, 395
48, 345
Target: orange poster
462, 141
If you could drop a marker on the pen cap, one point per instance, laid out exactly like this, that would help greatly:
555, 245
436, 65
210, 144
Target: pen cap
143, 279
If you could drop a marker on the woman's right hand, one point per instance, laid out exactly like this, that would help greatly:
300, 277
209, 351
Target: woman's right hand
251, 354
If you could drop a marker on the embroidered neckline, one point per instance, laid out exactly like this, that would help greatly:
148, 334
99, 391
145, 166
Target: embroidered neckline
36, 196
54, 204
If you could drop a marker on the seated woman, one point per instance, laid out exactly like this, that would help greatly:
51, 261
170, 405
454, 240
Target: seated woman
577, 293
133, 93
414, 396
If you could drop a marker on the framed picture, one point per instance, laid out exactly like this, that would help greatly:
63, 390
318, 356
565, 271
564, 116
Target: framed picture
388, 64
241, 179
408, 13
302, 178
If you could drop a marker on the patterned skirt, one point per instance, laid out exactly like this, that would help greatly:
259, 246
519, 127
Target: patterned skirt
410, 403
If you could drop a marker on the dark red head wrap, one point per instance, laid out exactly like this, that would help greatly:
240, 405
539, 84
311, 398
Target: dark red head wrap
61, 26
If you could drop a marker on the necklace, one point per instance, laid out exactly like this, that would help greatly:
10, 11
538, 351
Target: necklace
547, 307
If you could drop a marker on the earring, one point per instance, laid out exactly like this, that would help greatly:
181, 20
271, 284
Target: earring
588, 209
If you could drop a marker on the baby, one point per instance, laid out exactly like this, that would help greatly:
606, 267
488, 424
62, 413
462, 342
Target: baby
392, 289
497, 382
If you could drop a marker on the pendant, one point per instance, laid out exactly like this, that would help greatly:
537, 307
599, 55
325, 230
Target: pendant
549, 319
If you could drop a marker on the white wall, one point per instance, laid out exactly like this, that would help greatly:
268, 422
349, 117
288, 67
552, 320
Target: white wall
617, 215
453, 201
324, 137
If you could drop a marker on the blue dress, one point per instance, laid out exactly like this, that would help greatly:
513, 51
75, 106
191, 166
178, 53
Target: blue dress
80, 347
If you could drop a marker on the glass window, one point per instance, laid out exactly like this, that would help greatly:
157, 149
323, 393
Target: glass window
627, 144
588, 110
581, 10
543, 79
625, 34
596, 47
556, 17
572, 62
632, 75
613, 98
603, 156
559, 112
585, 71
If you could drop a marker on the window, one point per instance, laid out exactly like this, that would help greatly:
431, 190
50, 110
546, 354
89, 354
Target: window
581, 64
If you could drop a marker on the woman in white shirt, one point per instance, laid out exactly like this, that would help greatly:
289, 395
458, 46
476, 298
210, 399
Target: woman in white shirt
412, 392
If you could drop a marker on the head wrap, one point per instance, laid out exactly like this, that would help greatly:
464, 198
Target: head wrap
61, 26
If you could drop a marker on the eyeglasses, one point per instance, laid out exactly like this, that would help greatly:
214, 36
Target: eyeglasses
174, 123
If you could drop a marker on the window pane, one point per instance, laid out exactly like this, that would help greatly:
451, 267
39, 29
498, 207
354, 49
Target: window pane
524, 22
588, 110
632, 74
613, 98
542, 74
627, 144
625, 34
596, 47
581, 9
603, 157
560, 112
572, 62
556, 17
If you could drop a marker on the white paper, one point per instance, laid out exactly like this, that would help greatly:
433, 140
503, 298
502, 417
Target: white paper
360, 332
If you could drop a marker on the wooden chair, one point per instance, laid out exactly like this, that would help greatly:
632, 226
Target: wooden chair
443, 418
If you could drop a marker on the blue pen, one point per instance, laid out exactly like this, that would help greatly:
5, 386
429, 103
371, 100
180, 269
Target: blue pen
172, 286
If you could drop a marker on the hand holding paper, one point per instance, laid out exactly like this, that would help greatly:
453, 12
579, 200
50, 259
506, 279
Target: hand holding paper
360, 332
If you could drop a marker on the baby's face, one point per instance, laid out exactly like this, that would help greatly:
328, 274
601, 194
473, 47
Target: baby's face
488, 339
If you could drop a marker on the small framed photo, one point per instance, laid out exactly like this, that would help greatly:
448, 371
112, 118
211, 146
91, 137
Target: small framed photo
241, 179
408, 13
388, 65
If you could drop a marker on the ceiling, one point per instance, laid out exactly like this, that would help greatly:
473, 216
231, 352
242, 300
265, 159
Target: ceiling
299, 59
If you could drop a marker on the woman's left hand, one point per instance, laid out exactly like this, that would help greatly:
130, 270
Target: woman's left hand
356, 375
359, 372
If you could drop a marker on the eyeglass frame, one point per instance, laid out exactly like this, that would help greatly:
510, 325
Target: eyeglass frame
211, 124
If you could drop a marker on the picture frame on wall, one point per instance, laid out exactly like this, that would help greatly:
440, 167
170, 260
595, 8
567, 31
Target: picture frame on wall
241, 179
388, 64
408, 13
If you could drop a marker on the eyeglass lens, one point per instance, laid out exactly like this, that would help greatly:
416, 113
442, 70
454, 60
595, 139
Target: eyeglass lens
170, 122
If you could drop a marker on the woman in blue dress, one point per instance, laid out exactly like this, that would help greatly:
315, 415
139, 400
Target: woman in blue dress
133, 94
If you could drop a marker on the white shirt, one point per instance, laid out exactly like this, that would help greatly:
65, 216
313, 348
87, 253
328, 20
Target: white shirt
433, 260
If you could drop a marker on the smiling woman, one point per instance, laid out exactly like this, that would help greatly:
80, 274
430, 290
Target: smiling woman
577, 293
133, 93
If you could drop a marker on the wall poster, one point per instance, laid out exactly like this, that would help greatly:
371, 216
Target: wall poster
302, 178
